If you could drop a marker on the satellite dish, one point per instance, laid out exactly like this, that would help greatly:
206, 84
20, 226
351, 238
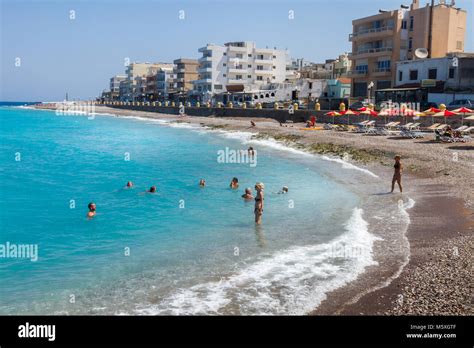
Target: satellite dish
421, 53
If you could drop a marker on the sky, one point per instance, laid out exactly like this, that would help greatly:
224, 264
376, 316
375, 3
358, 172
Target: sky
50, 47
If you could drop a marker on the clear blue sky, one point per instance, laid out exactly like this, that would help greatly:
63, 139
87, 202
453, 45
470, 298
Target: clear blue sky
79, 56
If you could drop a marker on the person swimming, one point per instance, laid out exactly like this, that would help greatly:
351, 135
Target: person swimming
283, 190
91, 213
129, 184
202, 182
259, 198
397, 175
234, 184
152, 189
248, 194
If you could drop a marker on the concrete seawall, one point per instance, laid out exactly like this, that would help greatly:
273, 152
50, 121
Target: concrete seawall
284, 115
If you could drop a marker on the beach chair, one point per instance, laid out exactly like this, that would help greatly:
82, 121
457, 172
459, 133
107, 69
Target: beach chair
406, 133
328, 126
433, 127
461, 129
392, 125
415, 126
406, 126
441, 127
467, 130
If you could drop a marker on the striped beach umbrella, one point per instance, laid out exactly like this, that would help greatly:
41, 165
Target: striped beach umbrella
463, 111
445, 114
333, 114
349, 113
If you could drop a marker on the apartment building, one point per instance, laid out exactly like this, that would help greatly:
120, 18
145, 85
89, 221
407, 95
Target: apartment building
379, 41
115, 83
136, 76
238, 66
186, 71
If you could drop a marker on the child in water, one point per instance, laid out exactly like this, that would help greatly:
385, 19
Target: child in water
234, 184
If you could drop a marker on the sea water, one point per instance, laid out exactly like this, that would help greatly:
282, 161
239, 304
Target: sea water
185, 249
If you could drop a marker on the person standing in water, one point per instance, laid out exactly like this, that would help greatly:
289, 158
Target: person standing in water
397, 175
259, 198
202, 182
234, 184
91, 213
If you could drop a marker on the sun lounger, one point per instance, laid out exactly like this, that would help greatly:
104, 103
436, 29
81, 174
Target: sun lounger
433, 127
415, 126
467, 130
392, 125
411, 134
406, 126
461, 129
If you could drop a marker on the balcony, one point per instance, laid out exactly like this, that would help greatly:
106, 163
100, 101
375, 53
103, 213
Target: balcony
371, 33
370, 52
264, 61
357, 73
381, 72
238, 60
205, 59
203, 81
203, 70
237, 49
264, 72
237, 70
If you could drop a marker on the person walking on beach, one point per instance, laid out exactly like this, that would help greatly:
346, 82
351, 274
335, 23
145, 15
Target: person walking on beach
234, 184
91, 213
259, 198
397, 175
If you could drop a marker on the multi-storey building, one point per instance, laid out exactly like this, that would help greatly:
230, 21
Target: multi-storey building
379, 41
186, 71
115, 83
238, 66
136, 74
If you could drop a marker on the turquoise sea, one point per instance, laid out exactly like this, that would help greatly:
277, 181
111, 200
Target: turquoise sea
186, 249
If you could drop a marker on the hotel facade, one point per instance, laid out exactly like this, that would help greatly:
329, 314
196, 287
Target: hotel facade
379, 41
238, 66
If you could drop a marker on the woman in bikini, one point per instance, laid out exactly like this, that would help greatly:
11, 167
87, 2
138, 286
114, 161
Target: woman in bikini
259, 198
397, 175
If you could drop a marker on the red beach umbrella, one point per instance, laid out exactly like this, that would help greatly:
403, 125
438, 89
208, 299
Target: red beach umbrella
445, 114
463, 111
349, 112
333, 114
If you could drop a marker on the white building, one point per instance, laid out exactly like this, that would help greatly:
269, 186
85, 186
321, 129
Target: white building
115, 83
238, 66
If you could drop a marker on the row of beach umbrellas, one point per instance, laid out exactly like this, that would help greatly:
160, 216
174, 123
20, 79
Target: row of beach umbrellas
433, 112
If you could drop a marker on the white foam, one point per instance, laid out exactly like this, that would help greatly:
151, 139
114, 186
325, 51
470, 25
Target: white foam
348, 165
292, 281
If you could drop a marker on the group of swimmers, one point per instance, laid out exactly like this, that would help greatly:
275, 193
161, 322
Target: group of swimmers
234, 185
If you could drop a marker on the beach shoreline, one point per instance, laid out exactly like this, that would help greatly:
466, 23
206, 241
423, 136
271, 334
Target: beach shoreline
440, 233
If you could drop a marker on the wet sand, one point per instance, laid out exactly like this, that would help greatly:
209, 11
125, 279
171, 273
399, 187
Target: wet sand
436, 278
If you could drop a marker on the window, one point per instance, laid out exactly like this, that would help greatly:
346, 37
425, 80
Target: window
250, 55
249, 66
239, 55
404, 24
260, 56
224, 75
451, 73
413, 75
238, 77
310, 85
400, 76
249, 76
225, 54
259, 78
224, 64
410, 44
432, 74
273, 77
217, 86
362, 69
274, 57
411, 23
274, 67
259, 67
